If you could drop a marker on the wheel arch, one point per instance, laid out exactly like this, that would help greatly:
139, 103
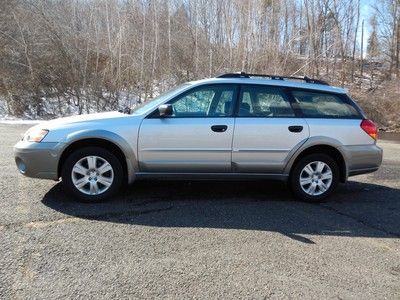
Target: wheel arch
331, 149
107, 140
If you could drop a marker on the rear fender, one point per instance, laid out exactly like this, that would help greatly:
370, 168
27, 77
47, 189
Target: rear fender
318, 141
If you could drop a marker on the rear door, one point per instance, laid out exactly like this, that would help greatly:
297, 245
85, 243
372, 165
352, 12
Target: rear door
266, 130
197, 138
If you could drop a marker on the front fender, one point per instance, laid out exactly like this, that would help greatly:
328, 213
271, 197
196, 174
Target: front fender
111, 137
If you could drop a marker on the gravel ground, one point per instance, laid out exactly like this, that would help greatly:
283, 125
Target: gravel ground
199, 239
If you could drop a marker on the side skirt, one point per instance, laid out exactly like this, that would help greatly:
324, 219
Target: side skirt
362, 171
211, 176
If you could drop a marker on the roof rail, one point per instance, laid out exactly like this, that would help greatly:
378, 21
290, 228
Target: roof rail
274, 77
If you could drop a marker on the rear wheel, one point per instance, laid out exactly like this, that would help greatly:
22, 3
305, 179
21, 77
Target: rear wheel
92, 174
314, 177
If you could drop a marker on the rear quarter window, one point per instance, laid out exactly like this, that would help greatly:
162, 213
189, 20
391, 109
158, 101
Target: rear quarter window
324, 105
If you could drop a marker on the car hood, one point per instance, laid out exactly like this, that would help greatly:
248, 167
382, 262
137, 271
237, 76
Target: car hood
80, 119
60, 129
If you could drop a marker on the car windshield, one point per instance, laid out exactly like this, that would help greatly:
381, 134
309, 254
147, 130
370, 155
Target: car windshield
150, 104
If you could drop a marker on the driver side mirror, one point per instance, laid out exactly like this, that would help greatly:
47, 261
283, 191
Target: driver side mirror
165, 110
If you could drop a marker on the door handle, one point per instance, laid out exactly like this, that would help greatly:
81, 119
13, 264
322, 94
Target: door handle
296, 128
219, 128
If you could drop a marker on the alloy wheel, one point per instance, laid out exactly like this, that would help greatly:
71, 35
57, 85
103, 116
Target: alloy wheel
92, 175
316, 178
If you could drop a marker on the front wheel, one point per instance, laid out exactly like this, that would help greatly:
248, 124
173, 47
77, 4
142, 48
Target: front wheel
314, 177
92, 174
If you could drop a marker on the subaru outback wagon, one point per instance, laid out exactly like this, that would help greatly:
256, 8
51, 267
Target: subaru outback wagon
236, 126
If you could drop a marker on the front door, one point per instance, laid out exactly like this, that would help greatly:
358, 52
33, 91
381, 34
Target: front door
197, 138
266, 130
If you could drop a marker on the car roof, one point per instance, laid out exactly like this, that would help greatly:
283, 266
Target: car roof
273, 82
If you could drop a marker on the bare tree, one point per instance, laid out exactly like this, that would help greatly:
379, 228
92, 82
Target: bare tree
96, 53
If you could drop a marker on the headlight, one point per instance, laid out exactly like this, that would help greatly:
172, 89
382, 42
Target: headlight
36, 135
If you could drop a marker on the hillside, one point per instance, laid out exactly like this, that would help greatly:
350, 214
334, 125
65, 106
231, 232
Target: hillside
72, 57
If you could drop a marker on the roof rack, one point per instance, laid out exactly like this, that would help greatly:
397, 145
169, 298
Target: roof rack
273, 77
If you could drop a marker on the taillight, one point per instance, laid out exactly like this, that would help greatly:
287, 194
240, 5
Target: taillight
370, 128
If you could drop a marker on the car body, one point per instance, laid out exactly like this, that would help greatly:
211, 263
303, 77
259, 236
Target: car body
231, 127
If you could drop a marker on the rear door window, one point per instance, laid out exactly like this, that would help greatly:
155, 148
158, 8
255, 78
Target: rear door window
264, 101
324, 105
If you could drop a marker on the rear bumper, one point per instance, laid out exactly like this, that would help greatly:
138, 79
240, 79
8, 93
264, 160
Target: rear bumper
39, 160
362, 159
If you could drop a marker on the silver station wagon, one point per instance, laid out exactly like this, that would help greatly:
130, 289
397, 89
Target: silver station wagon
235, 126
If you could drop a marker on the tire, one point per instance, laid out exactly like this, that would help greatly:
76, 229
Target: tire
88, 168
318, 185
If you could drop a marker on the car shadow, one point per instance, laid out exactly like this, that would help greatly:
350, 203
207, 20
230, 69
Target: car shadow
357, 209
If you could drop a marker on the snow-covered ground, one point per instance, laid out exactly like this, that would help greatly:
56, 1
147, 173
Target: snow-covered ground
65, 106
19, 121
55, 108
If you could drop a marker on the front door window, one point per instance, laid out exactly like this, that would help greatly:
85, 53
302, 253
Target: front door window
208, 101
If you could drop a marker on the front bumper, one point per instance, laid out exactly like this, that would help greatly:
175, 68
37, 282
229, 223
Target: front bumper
39, 160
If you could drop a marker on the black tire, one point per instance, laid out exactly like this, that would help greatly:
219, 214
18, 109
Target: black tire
73, 158
294, 179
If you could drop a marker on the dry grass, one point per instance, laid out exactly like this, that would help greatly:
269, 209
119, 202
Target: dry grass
381, 104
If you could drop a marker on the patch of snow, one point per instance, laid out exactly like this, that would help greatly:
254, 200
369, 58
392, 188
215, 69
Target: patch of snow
19, 122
